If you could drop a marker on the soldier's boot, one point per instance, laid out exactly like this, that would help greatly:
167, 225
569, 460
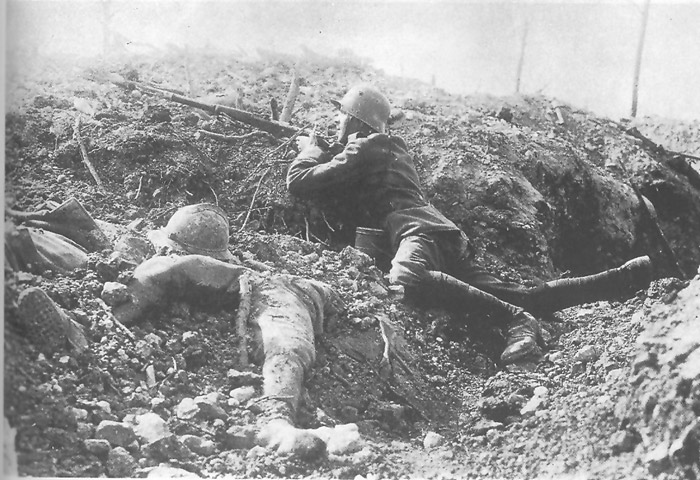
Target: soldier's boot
523, 334
47, 325
611, 284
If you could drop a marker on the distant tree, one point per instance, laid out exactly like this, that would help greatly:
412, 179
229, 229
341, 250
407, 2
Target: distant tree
638, 60
521, 59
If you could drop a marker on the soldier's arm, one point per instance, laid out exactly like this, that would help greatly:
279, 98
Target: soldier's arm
312, 172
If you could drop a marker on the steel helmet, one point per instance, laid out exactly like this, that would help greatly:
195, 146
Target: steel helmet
200, 229
367, 104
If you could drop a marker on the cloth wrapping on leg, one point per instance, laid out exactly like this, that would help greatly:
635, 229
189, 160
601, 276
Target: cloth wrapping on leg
36, 250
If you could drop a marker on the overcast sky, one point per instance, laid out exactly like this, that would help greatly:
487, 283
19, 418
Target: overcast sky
581, 53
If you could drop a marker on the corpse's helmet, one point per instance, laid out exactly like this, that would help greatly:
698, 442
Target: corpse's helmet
367, 104
197, 229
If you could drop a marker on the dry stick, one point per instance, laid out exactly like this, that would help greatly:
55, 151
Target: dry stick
286, 115
114, 320
242, 318
252, 201
84, 155
258, 166
267, 170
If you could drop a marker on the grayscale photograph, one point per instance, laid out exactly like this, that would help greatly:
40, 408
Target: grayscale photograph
364, 240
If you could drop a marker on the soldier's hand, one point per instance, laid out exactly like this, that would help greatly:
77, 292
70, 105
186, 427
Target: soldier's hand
303, 142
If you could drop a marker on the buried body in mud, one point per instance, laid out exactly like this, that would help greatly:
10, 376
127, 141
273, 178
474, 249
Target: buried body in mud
286, 313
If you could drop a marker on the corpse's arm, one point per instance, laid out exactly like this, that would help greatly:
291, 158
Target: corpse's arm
161, 278
314, 170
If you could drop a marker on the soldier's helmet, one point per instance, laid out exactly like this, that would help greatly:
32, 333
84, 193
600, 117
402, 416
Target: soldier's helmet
197, 229
366, 103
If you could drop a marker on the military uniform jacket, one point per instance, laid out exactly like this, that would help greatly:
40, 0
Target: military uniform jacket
378, 175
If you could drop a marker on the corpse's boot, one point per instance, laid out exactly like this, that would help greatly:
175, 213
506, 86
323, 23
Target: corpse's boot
523, 339
523, 334
48, 327
611, 284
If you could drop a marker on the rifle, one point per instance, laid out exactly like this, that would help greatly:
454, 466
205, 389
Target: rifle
275, 128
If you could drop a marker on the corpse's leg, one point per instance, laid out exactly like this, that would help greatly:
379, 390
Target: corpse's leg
288, 312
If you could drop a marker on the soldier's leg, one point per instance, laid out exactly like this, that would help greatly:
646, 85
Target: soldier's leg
421, 263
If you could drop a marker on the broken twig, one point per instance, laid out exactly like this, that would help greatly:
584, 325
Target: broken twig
84, 155
114, 320
252, 201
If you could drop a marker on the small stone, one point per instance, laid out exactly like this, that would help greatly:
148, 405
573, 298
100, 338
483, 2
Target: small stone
540, 391
532, 405
657, 460
150, 427
190, 338
104, 406
586, 354
198, 445
153, 340
97, 446
80, 414
85, 430
209, 408
116, 433
256, 451
483, 426
239, 437
144, 349
433, 440
166, 448
187, 409
684, 448
242, 394
114, 293
120, 463
623, 441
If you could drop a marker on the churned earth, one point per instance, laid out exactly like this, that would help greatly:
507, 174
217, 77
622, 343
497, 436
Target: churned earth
543, 189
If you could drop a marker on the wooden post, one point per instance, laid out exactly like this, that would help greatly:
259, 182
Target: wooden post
286, 115
638, 60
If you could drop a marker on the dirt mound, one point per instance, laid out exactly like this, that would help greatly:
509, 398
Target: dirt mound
537, 185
